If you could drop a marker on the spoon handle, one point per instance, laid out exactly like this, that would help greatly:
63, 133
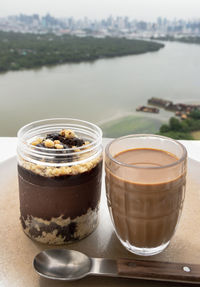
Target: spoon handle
162, 271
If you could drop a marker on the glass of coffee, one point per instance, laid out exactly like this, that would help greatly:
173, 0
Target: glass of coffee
145, 186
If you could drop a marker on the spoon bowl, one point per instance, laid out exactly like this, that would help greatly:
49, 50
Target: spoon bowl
62, 264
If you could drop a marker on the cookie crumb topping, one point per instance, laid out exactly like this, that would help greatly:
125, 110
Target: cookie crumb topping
62, 141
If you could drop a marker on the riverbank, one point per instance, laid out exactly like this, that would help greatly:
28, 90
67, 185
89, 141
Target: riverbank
156, 121
26, 51
188, 40
130, 124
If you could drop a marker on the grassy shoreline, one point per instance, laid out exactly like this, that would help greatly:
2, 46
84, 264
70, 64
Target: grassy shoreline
133, 124
130, 124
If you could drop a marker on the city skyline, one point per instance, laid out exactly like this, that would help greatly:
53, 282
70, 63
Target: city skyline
147, 10
113, 27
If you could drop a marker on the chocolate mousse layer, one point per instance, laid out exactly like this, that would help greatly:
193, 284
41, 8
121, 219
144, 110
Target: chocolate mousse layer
66, 195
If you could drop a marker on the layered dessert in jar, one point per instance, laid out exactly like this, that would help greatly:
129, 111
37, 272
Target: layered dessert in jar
59, 171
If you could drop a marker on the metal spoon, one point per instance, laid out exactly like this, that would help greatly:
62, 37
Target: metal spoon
63, 264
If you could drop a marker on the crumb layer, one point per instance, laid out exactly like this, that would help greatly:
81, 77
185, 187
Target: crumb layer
60, 230
52, 171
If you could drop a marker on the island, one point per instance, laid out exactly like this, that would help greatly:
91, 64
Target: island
25, 51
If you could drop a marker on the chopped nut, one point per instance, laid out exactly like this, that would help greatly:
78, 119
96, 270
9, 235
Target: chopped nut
56, 142
58, 146
68, 134
37, 141
49, 143
62, 133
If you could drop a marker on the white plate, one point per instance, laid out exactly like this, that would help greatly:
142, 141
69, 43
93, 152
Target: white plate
17, 250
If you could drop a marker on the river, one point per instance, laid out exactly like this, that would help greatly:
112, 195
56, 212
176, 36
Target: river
101, 90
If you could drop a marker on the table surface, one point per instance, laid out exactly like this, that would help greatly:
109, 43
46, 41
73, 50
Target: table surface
106, 244
17, 250
8, 147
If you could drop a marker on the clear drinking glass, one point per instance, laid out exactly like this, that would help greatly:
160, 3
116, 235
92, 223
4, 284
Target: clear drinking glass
145, 186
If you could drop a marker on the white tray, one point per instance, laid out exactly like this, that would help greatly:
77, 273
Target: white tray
17, 250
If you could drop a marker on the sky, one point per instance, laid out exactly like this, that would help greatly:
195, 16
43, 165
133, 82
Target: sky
147, 10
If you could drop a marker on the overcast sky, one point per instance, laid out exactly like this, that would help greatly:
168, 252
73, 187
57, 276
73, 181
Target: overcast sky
97, 9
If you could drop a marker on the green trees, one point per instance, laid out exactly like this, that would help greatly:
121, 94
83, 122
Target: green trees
175, 125
164, 129
195, 114
180, 129
21, 51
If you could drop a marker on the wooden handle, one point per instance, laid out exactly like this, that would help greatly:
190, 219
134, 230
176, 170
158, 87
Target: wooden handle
162, 271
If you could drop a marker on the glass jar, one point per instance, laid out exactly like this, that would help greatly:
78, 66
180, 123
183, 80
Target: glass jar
59, 189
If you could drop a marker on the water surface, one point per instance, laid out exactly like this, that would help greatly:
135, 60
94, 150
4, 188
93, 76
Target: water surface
101, 90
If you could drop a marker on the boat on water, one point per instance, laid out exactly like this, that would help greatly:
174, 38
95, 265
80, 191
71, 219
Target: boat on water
147, 109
